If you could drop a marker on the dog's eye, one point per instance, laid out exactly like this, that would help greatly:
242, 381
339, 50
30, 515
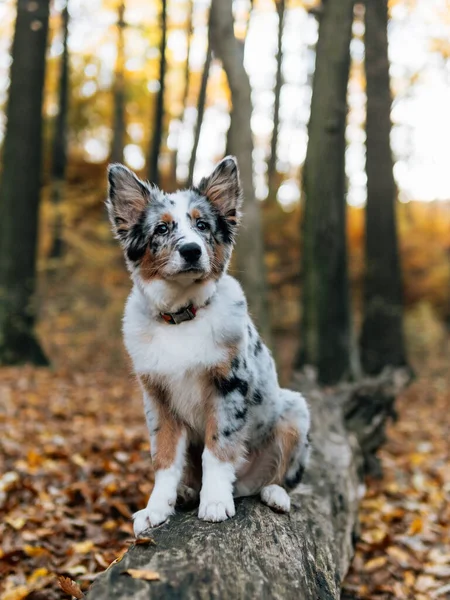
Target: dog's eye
202, 225
161, 229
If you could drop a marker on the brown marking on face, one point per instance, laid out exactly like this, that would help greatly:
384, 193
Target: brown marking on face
167, 218
151, 266
195, 213
169, 427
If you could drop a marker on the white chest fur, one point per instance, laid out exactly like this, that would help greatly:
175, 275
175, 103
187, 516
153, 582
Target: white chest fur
173, 351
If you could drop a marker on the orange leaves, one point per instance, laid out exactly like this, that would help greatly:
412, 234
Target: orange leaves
404, 548
76, 466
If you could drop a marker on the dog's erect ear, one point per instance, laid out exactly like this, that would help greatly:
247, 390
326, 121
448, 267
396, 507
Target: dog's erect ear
223, 188
128, 197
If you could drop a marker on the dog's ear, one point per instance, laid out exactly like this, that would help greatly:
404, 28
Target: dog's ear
223, 189
128, 197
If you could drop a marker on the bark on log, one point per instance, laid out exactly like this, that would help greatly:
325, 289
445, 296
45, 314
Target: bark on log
261, 554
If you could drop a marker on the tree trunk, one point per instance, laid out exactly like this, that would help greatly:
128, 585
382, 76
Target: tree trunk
382, 332
59, 160
325, 337
200, 111
157, 129
250, 246
258, 553
20, 186
187, 77
119, 129
271, 166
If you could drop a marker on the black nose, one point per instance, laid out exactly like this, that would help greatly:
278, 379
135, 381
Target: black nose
190, 252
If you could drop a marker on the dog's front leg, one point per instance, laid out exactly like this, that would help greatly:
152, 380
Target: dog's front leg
168, 448
221, 457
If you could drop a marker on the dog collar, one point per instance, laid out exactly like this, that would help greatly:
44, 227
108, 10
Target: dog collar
175, 318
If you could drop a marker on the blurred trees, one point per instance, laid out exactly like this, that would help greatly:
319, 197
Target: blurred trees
20, 186
271, 163
382, 332
249, 249
325, 331
119, 126
200, 108
158, 119
118, 63
59, 150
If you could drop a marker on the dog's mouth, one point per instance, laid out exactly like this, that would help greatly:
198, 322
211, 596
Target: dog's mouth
189, 272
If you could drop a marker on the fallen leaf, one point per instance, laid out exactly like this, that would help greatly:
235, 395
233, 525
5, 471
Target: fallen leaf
70, 587
142, 574
142, 541
83, 547
375, 563
18, 593
416, 526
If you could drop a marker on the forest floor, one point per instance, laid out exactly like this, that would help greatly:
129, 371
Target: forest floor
74, 458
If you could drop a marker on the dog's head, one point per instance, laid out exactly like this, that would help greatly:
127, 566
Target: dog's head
185, 236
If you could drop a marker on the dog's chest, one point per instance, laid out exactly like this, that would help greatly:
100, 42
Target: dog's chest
173, 350
186, 397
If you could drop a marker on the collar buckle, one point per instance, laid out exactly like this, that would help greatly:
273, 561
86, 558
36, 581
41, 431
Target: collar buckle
185, 314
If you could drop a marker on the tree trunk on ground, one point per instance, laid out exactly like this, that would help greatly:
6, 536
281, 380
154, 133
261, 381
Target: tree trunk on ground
59, 159
271, 166
261, 554
20, 186
187, 78
158, 122
200, 111
325, 336
250, 245
382, 332
119, 129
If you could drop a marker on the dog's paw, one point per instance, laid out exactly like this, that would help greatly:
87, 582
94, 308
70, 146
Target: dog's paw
211, 510
276, 497
151, 516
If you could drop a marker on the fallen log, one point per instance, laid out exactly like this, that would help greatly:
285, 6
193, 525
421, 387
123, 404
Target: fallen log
261, 554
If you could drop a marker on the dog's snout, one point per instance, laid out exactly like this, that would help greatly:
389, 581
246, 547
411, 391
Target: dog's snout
190, 252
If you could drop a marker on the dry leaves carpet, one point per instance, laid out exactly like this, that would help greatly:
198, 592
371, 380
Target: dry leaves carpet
74, 466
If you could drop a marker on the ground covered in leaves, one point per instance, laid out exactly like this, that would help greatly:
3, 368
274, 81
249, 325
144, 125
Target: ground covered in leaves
404, 547
75, 465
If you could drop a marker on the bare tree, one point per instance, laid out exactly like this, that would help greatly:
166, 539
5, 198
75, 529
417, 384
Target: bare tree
200, 108
59, 159
119, 129
382, 332
250, 245
20, 186
325, 335
158, 122
271, 165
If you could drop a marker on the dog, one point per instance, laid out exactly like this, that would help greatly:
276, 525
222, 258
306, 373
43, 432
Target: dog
220, 426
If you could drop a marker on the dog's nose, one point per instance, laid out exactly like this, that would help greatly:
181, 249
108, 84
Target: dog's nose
190, 252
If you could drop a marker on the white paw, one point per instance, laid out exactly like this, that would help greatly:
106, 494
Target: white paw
276, 497
216, 510
151, 516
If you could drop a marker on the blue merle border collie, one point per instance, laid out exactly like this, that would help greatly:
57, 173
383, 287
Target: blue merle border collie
220, 426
